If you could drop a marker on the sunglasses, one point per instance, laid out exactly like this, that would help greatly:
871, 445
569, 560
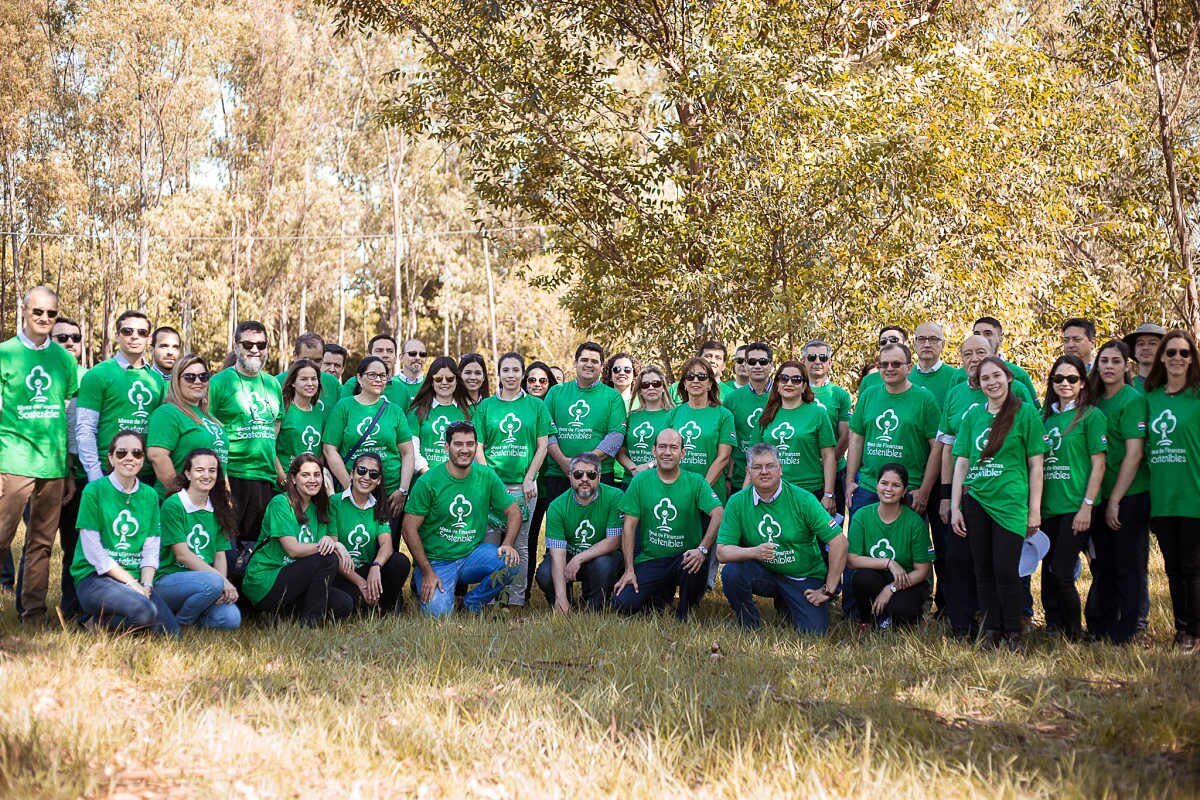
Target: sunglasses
195, 377
253, 345
121, 453
695, 376
63, 338
373, 474
537, 380
792, 379
444, 379
888, 340
619, 370
654, 384
1071, 379
892, 364
817, 357
142, 332
758, 362
44, 312
739, 361
580, 475
1171, 352
416, 353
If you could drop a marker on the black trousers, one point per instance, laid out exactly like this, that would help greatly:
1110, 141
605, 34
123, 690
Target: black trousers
1060, 597
904, 608
393, 574
1179, 540
1118, 571
303, 589
997, 556
957, 580
250, 500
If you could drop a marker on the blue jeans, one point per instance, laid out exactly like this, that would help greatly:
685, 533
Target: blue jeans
741, 580
193, 596
483, 567
118, 606
657, 580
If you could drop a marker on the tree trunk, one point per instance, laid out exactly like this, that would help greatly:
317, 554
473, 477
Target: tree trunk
487, 265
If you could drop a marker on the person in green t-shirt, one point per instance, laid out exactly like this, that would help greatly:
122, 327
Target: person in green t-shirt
311, 347
770, 541
183, 423
440, 401
705, 425
191, 577
117, 394
303, 416
583, 534
298, 556
891, 554
1143, 344
818, 356
446, 523
119, 542
996, 497
651, 410
801, 432
399, 389
37, 378
361, 522
746, 405
514, 435
663, 512
1073, 471
249, 403
1120, 535
165, 347
1173, 453
991, 329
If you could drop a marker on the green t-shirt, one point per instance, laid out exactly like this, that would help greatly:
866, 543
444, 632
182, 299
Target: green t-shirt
350, 419
1068, 462
574, 527
961, 399
357, 528
508, 432
1001, 484
839, 405
1126, 415
703, 431
746, 407
431, 431
278, 521
904, 540
641, 431
794, 521
1173, 453
183, 522
668, 514
894, 427
938, 382
582, 418
455, 510
299, 432
799, 434
1139, 383
331, 392
123, 397
34, 388
397, 391
124, 522
249, 409
177, 433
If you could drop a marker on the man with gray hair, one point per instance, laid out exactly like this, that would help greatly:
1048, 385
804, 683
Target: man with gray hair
770, 542
818, 356
583, 534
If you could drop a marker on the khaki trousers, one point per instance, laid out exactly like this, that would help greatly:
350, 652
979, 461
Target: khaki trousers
44, 496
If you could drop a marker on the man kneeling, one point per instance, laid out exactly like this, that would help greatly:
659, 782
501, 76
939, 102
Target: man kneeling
770, 543
583, 532
446, 522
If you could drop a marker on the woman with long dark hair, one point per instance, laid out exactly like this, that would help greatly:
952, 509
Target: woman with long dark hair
1173, 453
442, 399
472, 371
182, 423
538, 379
996, 496
1077, 433
800, 429
705, 425
361, 523
618, 372
303, 419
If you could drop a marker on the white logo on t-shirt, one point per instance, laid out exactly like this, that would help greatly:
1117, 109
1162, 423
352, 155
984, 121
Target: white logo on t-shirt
38, 381
883, 549
782, 434
690, 432
460, 508
311, 439
578, 410
358, 537
140, 396
769, 529
585, 530
197, 539
643, 432
887, 423
981, 441
753, 418
124, 527
664, 512
1054, 439
1164, 425
509, 426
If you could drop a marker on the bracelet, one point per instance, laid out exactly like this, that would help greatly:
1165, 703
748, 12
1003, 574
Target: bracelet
376, 564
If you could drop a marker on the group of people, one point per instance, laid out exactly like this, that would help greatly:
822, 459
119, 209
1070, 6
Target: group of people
187, 495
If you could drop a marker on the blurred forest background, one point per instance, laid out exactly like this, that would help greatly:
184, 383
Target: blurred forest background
491, 175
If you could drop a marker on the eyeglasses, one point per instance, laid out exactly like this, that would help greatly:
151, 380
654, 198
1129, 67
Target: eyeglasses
253, 345
44, 312
1172, 352
375, 376
758, 362
142, 332
581, 474
654, 384
888, 340
817, 357
927, 339
1071, 379
416, 353
63, 338
121, 453
444, 379
695, 376
892, 364
363, 472
623, 370
195, 377
792, 379
532, 379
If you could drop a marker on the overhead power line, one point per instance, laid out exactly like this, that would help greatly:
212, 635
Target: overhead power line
308, 237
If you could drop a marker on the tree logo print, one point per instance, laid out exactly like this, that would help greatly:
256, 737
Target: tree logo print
460, 509
140, 396
124, 527
509, 426
643, 432
883, 549
305, 535
690, 431
311, 439
585, 531
439, 426
783, 434
38, 381
665, 512
578, 410
364, 430
358, 538
981, 441
1164, 425
887, 423
753, 418
1054, 439
769, 529
198, 539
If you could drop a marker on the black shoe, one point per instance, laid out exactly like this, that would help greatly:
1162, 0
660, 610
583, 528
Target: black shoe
1015, 643
990, 640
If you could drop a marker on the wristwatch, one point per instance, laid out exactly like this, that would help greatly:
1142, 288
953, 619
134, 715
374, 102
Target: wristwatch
402, 491
1087, 501
703, 550
893, 588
